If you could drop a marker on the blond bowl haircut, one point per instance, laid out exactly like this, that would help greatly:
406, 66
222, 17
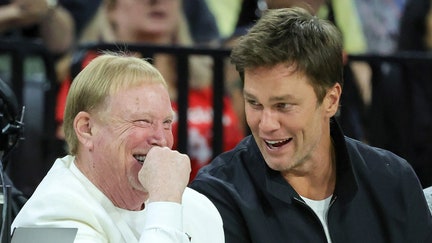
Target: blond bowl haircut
103, 76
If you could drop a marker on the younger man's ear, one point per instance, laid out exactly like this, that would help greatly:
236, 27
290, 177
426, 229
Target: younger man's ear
332, 99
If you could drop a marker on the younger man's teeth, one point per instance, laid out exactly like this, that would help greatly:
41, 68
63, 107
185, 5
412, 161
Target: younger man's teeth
275, 142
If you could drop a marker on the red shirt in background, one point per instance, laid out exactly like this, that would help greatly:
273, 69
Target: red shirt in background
200, 125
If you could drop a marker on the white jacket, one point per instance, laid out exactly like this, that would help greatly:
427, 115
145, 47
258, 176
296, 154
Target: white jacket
66, 198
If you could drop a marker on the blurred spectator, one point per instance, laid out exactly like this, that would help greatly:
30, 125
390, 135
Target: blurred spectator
416, 27
402, 114
42, 19
48, 23
202, 22
342, 13
226, 13
162, 22
380, 23
82, 11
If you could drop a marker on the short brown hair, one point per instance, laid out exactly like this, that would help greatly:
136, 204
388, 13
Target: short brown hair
295, 37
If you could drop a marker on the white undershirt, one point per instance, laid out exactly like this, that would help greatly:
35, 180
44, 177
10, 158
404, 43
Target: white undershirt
320, 207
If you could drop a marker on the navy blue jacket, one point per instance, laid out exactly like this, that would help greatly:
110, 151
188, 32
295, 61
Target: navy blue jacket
377, 198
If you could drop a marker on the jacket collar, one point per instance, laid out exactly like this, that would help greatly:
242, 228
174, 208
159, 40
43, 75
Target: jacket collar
273, 183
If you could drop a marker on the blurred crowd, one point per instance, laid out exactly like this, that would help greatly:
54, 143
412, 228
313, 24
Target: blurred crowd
371, 111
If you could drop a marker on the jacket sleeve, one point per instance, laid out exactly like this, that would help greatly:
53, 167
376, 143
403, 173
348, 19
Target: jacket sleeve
223, 195
418, 210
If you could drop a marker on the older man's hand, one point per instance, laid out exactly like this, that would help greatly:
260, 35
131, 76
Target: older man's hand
165, 174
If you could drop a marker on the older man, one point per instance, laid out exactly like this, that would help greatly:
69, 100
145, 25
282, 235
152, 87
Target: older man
121, 181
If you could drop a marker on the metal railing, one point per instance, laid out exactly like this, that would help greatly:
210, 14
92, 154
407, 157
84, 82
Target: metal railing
18, 51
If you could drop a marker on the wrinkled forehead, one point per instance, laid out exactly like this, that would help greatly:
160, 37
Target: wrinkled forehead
131, 80
150, 99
